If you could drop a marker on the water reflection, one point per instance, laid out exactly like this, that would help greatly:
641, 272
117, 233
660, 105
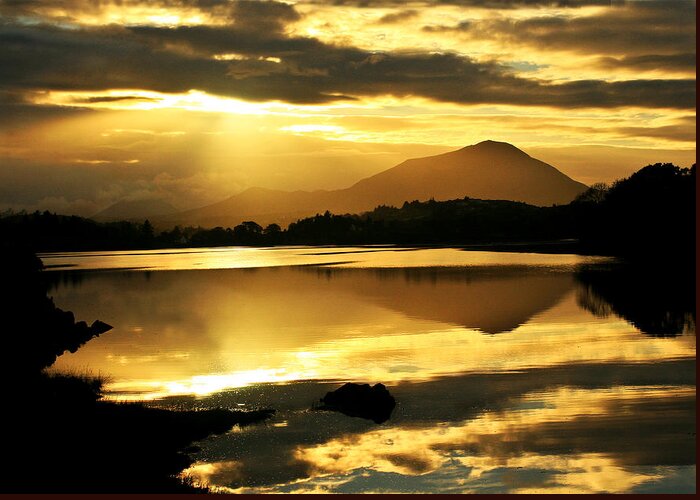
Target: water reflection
198, 332
249, 257
585, 428
659, 301
570, 396
618, 427
490, 299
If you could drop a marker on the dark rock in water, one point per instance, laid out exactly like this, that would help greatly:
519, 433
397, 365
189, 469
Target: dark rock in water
360, 400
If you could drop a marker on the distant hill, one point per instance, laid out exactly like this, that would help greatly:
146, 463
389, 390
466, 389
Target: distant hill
488, 170
135, 210
649, 216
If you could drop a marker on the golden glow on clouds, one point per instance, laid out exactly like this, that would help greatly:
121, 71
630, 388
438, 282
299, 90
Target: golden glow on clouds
102, 162
240, 57
402, 123
412, 120
129, 13
142, 100
361, 28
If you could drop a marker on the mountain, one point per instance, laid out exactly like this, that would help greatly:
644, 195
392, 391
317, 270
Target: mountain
135, 210
487, 170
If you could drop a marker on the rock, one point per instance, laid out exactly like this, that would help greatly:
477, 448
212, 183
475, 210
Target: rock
360, 400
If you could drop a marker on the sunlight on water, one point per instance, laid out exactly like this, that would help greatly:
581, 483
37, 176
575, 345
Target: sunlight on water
248, 257
409, 357
516, 373
201, 332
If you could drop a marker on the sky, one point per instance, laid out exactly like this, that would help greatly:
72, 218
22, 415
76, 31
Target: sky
192, 101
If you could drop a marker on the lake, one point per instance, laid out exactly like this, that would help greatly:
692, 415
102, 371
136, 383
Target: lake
512, 372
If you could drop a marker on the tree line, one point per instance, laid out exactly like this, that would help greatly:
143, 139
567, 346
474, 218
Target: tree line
650, 212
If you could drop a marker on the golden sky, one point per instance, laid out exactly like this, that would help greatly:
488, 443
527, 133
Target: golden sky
191, 101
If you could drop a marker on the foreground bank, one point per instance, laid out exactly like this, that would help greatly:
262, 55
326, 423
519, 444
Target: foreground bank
61, 437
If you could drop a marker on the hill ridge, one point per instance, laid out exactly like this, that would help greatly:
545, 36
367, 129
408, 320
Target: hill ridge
486, 170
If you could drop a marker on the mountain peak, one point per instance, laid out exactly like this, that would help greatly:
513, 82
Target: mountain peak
495, 147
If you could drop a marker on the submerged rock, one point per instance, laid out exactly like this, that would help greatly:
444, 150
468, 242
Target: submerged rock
360, 400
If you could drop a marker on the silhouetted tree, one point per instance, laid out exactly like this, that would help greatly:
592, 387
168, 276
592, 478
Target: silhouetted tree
651, 213
595, 194
273, 234
272, 229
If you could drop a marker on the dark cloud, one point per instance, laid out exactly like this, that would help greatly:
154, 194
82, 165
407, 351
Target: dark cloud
263, 16
396, 17
484, 4
461, 26
208, 40
673, 62
628, 28
42, 57
118, 98
685, 130
45, 57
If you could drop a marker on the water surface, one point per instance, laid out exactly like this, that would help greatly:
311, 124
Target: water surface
512, 372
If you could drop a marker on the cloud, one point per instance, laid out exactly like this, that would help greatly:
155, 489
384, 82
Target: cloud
484, 4
626, 29
72, 9
673, 62
271, 65
684, 130
398, 16
461, 26
117, 98
262, 51
309, 71
263, 16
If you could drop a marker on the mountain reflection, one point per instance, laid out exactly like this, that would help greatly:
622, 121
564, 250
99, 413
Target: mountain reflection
492, 300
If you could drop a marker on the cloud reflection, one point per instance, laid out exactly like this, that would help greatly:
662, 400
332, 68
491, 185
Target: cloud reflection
570, 438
